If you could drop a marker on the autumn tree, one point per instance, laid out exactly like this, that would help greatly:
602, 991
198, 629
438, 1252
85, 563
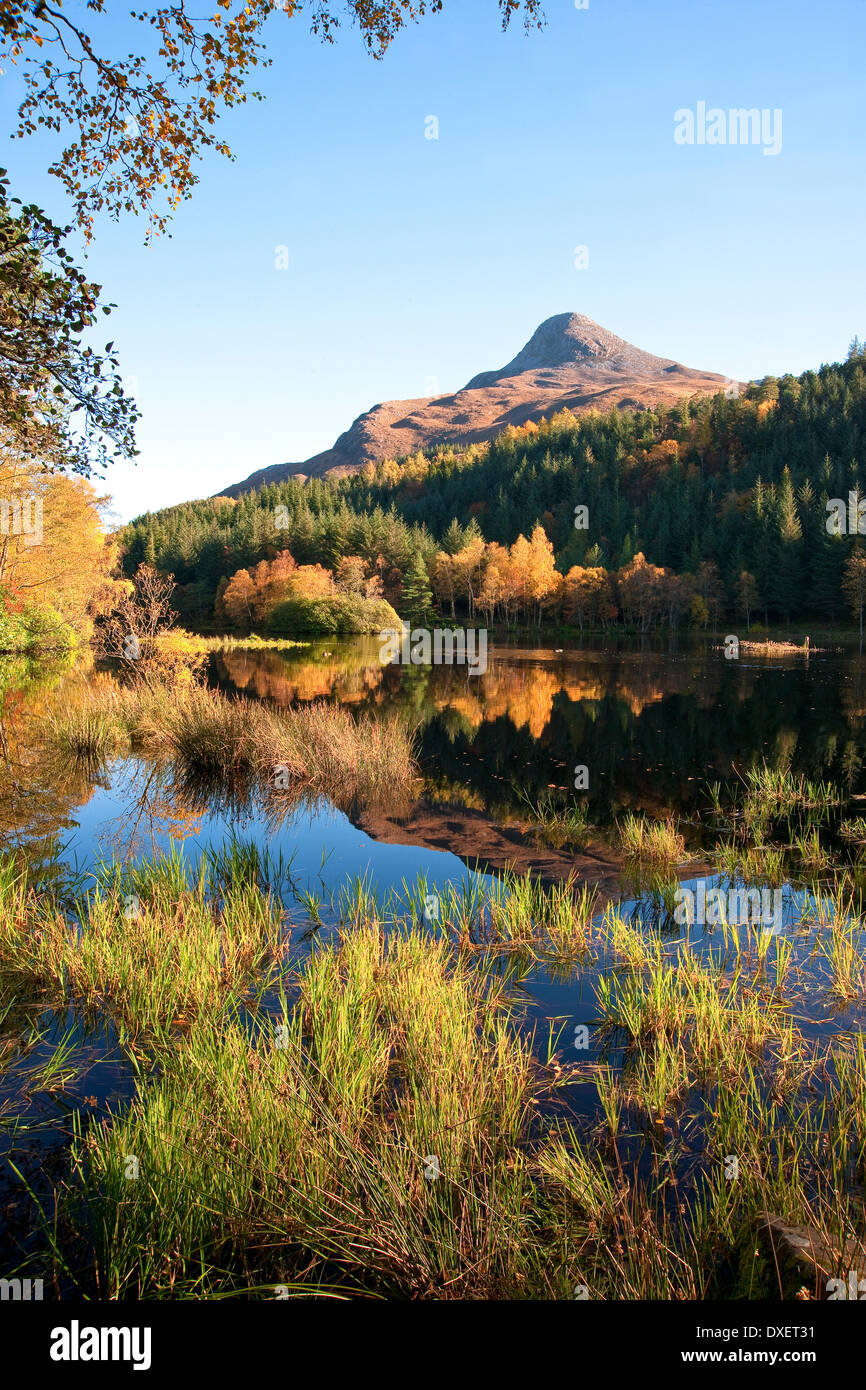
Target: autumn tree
56, 566
131, 629
587, 595
279, 580
708, 584
676, 594
239, 598
373, 586
639, 586
497, 586
543, 579
467, 567
350, 575
311, 581
443, 577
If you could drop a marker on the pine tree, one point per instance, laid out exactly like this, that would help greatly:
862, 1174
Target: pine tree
452, 540
417, 598
854, 585
787, 576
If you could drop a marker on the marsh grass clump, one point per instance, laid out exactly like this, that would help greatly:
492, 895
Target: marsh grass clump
374, 1131
854, 830
518, 912
626, 942
656, 842
842, 947
709, 1052
325, 748
758, 863
779, 791
87, 730
213, 736
812, 853
680, 1017
556, 823
148, 945
209, 735
763, 864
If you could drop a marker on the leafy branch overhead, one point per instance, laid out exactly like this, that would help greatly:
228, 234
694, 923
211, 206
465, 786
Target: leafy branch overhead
139, 123
61, 402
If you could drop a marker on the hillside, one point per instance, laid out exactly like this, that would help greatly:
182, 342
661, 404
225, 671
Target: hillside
736, 483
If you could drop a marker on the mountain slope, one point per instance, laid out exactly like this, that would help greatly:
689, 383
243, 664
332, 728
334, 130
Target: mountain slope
569, 362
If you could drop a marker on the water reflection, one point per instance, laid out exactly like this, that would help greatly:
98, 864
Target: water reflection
651, 726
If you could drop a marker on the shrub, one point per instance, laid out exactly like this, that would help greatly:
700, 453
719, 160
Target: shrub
38, 626
341, 613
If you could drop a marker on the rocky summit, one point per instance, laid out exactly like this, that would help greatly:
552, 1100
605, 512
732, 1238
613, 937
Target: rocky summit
569, 362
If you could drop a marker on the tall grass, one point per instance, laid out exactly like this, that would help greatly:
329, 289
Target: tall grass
374, 1133
210, 735
381, 1123
149, 945
656, 842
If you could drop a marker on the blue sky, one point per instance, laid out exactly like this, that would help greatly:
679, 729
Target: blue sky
415, 263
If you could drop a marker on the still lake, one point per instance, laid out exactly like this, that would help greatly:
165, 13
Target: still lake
653, 725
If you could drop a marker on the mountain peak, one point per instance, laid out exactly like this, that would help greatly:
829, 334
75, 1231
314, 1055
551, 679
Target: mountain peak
575, 340
569, 363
